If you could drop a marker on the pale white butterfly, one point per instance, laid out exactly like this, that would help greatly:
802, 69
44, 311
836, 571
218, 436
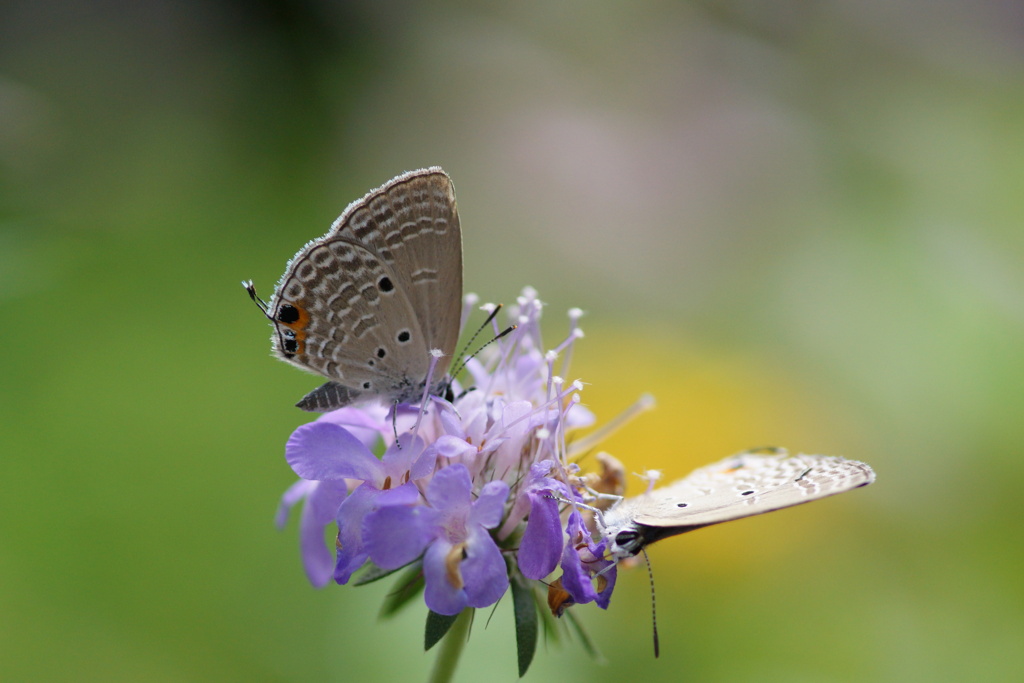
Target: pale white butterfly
747, 484
744, 485
367, 304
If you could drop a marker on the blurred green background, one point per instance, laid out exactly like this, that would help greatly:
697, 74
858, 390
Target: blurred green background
794, 223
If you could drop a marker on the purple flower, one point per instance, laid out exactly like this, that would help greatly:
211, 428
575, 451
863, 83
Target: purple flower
351, 547
462, 564
321, 503
329, 454
476, 490
583, 563
325, 451
541, 545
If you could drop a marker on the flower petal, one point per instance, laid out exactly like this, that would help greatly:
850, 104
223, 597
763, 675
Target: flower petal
605, 595
351, 555
366, 423
453, 447
450, 421
406, 494
579, 416
450, 489
541, 546
424, 465
352, 552
400, 456
319, 510
582, 562
396, 535
296, 492
323, 450
484, 570
439, 593
488, 509
325, 499
576, 580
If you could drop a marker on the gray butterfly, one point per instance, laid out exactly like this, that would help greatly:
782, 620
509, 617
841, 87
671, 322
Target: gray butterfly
744, 485
365, 304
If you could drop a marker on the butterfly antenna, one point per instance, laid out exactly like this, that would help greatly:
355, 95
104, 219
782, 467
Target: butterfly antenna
654, 614
480, 329
260, 303
495, 338
459, 368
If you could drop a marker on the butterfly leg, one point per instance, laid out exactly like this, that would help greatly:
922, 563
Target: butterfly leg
394, 422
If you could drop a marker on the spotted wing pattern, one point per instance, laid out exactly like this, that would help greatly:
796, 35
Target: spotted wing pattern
366, 303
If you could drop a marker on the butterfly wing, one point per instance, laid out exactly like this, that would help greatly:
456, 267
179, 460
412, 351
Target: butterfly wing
745, 485
365, 304
412, 224
339, 315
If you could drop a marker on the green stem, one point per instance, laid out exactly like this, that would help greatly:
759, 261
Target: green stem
451, 648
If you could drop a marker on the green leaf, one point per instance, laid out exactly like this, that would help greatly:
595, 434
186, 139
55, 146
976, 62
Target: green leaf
406, 589
524, 605
437, 627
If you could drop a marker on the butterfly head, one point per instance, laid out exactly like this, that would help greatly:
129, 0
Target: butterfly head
626, 542
623, 537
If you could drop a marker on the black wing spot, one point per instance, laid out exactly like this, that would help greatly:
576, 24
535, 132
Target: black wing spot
381, 352
366, 385
681, 505
287, 314
404, 336
291, 347
385, 284
746, 493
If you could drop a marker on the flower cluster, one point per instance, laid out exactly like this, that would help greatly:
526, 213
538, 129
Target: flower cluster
472, 492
